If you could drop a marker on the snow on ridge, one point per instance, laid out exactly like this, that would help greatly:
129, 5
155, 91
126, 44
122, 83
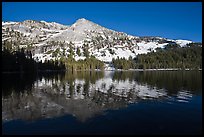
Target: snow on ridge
8, 23
183, 42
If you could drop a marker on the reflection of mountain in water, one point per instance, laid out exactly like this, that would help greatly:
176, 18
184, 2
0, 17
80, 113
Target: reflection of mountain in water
81, 94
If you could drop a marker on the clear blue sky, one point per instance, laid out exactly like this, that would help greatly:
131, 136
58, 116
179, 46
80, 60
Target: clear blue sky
175, 20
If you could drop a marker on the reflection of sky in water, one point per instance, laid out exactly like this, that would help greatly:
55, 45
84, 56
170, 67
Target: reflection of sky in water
81, 98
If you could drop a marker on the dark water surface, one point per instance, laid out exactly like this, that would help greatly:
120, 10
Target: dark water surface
128, 102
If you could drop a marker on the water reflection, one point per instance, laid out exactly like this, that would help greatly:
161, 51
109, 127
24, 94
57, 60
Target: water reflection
86, 94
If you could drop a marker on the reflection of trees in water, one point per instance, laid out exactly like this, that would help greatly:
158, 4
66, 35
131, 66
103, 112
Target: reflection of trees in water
124, 75
85, 94
172, 81
91, 76
17, 82
20, 82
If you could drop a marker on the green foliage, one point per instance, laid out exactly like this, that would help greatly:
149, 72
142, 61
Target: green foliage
78, 51
56, 52
123, 63
51, 65
111, 51
86, 52
88, 64
194, 44
186, 57
171, 46
22, 61
71, 51
48, 52
8, 45
29, 46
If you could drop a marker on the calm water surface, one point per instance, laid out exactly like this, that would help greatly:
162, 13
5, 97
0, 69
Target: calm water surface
128, 102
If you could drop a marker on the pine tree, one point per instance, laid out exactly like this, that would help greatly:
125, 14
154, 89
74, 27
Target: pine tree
86, 52
78, 51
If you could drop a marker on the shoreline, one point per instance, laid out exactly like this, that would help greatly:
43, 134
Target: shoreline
159, 70
109, 70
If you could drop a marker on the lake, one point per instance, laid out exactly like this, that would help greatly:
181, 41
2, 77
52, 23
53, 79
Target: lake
109, 102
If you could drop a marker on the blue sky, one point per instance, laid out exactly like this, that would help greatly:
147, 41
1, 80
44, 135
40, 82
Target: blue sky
175, 20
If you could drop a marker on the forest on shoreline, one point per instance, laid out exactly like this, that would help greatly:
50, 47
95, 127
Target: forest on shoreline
171, 57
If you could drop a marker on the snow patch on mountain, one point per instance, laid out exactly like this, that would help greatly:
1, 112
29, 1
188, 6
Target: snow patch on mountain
8, 23
183, 43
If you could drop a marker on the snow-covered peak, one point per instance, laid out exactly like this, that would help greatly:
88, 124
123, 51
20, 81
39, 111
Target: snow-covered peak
82, 20
79, 22
84, 24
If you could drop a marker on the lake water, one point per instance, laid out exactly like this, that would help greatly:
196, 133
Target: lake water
126, 102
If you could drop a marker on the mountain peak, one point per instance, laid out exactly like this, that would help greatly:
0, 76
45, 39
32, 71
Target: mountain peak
82, 24
83, 21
